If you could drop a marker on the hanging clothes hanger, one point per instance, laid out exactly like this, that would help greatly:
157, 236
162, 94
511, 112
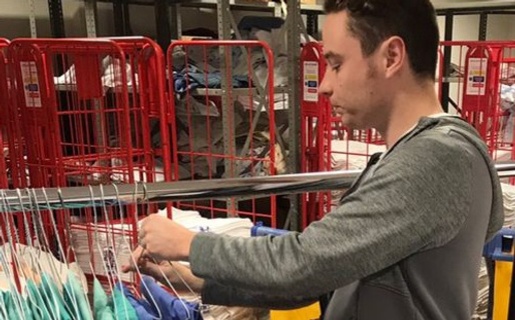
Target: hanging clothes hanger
101, 308
126, 242
29, 262
12, 294
189, 315
10, 232
53, 281
5, 263
15, 269
108, 268
203, 309
59, 273
72, 297
47, 276
26, 258
75, 295
120, 304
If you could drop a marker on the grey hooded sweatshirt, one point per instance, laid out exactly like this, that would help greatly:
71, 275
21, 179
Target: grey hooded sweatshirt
405, 243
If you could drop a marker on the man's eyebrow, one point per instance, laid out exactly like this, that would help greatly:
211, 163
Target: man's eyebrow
331, 55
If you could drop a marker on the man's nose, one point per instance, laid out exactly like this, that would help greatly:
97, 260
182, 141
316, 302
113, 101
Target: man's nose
325, 88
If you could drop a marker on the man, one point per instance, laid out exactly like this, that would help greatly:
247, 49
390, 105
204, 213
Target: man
406, 241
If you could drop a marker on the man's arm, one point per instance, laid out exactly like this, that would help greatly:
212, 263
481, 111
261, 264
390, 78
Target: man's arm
215, 293
180, 278
417, 199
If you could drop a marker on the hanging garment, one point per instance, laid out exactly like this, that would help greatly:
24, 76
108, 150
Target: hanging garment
32, 302
101, 308
16, 307
37, 301
55, 302
26, 309
191, 78
122, 307
143, 309
13, 310
3, 306
74, 296
171, 307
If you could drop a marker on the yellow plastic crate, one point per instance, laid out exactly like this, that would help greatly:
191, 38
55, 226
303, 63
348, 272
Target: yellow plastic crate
311, 312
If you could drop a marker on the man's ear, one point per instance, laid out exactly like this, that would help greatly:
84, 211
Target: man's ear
393, 55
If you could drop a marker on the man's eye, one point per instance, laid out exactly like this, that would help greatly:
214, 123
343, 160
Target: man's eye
335, 67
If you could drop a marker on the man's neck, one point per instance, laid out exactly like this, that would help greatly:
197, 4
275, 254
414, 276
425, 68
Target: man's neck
408, 108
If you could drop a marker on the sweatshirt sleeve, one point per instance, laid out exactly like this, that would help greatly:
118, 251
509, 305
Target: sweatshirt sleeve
215, 293
417, 198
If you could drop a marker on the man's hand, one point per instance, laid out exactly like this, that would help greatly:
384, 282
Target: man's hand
168, 273
163, 239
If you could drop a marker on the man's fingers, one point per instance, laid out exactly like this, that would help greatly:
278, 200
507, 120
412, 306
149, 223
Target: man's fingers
137, 258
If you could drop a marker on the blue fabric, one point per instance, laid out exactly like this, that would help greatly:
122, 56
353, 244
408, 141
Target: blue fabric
143, 309
171, 307
191, 78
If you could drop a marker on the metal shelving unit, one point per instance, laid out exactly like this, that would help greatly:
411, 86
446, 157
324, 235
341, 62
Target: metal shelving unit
32, 19
167, 13
90, 11
234, 91
295, 25
252, 5
55, 11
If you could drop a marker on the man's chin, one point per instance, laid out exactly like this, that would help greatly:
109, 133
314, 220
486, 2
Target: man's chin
351, 123
347, 121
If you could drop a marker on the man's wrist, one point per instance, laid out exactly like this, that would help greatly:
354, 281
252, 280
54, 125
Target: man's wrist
186, 247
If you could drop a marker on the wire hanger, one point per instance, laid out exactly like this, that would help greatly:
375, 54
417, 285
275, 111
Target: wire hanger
107, 263
71, 266
163, 276
43, 242
128, 244
5, 262
30, 250
97, 244
58, 278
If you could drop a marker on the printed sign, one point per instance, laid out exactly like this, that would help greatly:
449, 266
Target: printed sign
31, 86
311, 81
476, 77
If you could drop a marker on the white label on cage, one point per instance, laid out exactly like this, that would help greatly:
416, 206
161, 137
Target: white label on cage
476, 77
29, 74
311, 81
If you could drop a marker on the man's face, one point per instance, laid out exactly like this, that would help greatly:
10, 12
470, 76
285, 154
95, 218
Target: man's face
351, 80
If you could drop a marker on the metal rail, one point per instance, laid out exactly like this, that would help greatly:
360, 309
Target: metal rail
78, 197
